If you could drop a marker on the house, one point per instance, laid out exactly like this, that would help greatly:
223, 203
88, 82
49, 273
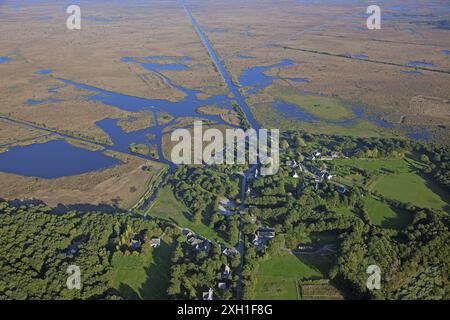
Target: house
295, 175
199, 243
155, 242
266, 233
336, 154
222, 285
135, 244
261, 237
226, 271
230, 252
208, 295
193, 241
187, 233
256, 241
325, 175
292, 163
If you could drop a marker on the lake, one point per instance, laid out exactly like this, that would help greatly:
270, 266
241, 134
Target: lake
53, 159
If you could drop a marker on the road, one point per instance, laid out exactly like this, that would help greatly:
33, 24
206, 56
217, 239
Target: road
234, 90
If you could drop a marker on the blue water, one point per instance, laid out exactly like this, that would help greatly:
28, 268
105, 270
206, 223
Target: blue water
421, 135
411, 72
47, 160
5, 59
182, 108
290, 111
45, 71
226, 77
53, 159
419, 64
360, 56
33, 102
257, 80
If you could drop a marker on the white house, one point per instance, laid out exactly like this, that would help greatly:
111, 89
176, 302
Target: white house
155, 242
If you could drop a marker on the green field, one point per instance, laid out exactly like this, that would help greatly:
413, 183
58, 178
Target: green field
410, 187
386, 165
277, 277
166, 206
269, 118
397, 180
383, 215
324, 107
144, 276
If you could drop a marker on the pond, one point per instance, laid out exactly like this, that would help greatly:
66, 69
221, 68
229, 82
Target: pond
5, 59
53, 159
257, 79
418, 63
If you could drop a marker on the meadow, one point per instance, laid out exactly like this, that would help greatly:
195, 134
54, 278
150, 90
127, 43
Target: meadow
277, 277
166, 206
269, 117
411, 188
143, 276
397, 179
383, 215
324, 107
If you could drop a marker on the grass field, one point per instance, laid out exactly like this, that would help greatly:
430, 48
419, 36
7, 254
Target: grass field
278, 276
166, 206
144, 276
410, 187
387, 165
269, 118
327, 108
383, 215
398, 179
